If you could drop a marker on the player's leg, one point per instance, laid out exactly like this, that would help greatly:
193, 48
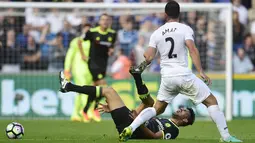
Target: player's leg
142, 89
93, 74
94, 92
199, 92
90, 106
83, 103
148, 113
112, 98
99, 81
217, 116
141, 118
81, 76
144, 116
81, 79
121, 115
75, 114
219, 119
164, 97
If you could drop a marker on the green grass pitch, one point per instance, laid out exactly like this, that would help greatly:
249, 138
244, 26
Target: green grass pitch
64, 131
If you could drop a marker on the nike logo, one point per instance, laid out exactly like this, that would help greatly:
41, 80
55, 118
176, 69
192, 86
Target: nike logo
225, 128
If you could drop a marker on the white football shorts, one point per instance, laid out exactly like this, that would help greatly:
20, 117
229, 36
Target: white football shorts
189, 85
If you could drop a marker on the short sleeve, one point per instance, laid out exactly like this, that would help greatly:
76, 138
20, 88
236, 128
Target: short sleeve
153, 42
189, 34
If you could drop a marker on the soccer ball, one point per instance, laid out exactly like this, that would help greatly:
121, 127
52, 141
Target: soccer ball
14, 131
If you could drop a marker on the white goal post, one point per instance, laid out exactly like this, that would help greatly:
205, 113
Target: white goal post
159, 7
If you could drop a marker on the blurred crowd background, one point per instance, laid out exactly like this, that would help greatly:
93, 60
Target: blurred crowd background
38, 39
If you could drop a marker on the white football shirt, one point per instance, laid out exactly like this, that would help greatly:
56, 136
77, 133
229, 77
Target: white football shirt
169, 40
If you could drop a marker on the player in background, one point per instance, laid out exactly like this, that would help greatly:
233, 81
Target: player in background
102, 39
76, 67
156, 128
171, 40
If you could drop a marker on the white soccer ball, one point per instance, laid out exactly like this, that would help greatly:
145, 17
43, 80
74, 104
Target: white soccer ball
14, 130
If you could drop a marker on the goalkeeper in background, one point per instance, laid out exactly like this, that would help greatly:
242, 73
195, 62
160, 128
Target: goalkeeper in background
76, 68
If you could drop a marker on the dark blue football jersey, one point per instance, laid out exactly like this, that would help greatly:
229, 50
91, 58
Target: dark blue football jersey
169, 129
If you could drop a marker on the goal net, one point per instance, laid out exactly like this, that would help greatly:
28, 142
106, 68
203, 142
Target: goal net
36, 36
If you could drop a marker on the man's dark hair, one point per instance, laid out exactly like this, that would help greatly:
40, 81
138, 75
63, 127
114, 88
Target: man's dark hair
247, 35
104, 14
87, 25
172, 9
59, 34
191, 118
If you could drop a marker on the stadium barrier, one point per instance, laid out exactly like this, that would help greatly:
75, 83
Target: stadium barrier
36, 99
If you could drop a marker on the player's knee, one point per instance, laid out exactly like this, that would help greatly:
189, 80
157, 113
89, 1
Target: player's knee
160, 111
111, 90
210, 100
160, 107
100, 82
151, 103
108, 91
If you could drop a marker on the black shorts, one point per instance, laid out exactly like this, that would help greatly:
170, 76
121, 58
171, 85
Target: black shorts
98, 72
122, 119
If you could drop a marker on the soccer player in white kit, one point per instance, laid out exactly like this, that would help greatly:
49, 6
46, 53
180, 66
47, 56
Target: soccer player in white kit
171, 41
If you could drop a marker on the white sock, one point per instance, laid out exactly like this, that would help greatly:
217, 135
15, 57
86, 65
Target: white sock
145, 115
219, 119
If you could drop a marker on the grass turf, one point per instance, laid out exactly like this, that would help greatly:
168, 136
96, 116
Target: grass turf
63, 131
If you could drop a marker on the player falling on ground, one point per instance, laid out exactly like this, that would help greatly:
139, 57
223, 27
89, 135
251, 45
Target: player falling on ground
155, 128
171, 40
102, 39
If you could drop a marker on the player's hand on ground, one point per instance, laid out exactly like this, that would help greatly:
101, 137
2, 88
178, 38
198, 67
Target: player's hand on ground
103, 108
206, 79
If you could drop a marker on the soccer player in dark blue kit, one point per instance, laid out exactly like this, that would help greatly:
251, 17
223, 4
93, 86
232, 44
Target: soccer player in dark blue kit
155, 128
102, 39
